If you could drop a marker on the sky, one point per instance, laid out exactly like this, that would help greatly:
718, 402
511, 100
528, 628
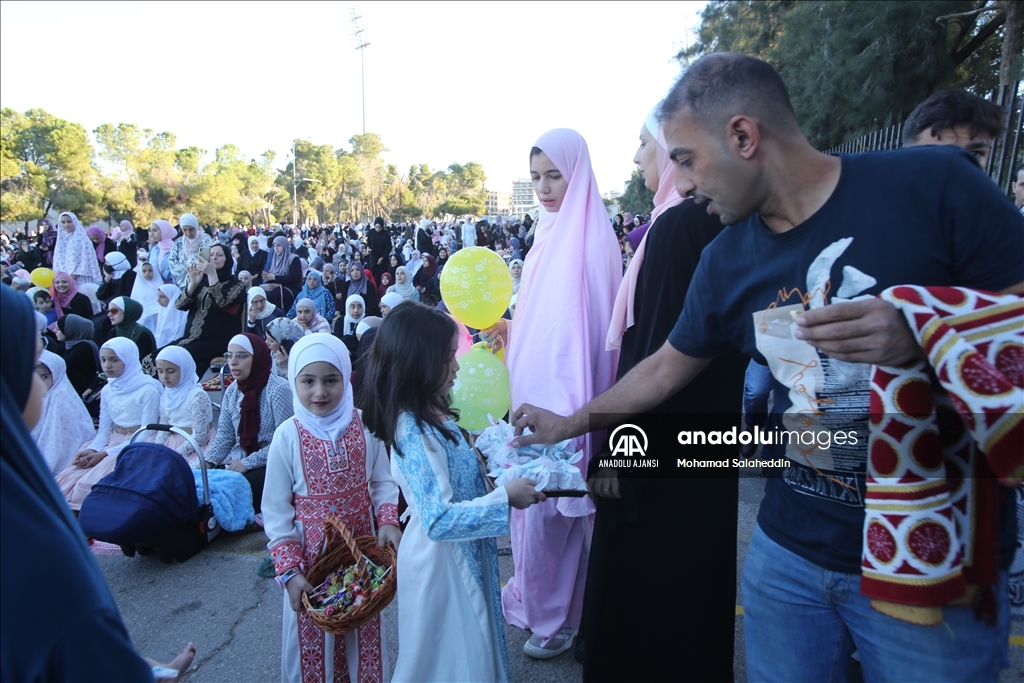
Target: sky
445, 82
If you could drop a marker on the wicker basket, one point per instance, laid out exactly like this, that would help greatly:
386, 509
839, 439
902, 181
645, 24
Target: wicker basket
342, 549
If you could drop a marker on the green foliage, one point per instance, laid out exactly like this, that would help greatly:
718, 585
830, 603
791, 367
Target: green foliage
852, 67
48, 163
637, 198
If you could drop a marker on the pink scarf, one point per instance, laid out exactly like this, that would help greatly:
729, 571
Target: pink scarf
555, 355
167, 235
665, 198
62, 301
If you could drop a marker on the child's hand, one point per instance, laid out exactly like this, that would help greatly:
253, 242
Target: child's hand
297, 585
522, 494
389, 533
495, 335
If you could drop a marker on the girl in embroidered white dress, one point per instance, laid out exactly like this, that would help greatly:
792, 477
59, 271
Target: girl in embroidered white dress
323, 462
184, 404
450, 626
130, 399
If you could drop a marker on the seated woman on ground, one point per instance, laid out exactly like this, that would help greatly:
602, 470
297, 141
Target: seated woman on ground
124, 313
282, 334
309, 319
254, 405
261, 312
184, 403
64, 423
130, 399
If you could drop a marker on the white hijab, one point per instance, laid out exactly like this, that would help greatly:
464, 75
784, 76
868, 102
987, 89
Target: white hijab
75, 253
268, 309
64, 424
119, 262
350, 322
145, 291
133, 378
329, 349
170, 322
174, 397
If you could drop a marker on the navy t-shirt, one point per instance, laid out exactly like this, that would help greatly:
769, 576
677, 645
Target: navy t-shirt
922, 216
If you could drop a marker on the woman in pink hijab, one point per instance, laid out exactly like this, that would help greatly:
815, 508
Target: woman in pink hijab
556, 358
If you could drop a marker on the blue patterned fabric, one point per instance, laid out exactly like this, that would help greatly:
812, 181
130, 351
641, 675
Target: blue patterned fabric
473, 526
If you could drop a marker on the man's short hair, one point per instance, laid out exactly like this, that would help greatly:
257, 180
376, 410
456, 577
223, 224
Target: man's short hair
950, 109
723, 84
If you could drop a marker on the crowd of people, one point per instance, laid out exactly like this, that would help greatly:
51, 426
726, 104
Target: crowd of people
341, 356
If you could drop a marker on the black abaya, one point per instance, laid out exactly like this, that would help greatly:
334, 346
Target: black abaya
682, 622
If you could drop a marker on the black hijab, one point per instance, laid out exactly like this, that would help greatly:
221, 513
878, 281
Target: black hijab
86, 633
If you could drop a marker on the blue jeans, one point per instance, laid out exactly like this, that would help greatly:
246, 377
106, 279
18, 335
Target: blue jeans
802, 623
757, 385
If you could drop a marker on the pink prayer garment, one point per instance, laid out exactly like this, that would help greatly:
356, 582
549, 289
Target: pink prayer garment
557, 360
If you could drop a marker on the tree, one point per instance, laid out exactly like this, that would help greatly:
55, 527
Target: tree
46, 162
637, 198
852, 67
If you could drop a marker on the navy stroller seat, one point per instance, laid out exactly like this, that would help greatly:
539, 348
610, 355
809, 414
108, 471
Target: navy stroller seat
149, 502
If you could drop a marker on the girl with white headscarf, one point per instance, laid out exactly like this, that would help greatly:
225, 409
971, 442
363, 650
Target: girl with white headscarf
75, 253
516, 280
146, 290
64, 423
170, 320
355, 311
300, 474
261, 312
130, 399
118, 277
184, 403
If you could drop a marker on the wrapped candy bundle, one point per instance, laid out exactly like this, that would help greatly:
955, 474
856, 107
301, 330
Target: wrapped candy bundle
552, 467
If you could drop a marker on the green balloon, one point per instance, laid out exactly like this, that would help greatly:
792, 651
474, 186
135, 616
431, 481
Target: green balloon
481, 389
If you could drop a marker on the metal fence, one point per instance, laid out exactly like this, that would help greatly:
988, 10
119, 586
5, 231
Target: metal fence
1006, 155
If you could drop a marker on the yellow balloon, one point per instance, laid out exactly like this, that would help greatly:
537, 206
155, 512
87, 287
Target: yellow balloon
481, 389
500, 355
41, 277
476, 286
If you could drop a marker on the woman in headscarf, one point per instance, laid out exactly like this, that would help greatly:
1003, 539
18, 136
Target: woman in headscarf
442, 260
254, 405
284, 270
47, 241
185, 250
423, 242
127, 243
308, 318
75, 253
244, 276
389, 301
118, 277
130, 399
86, 634
146, 290
559, 332
64, 424
214, 301
67, 299
124, 313
253, 259
103, 244
170, 321
161, 240
261, 312
359, 283
635, 512
185, 404
282, 334
515, 267
426, 282
315, 291
79, 351
345, 328
414, 264
330, 277
403, 285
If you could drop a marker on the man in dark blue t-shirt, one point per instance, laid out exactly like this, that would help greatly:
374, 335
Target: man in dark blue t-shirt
812, 239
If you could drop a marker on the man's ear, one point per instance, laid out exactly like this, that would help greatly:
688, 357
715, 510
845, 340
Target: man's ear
743, 136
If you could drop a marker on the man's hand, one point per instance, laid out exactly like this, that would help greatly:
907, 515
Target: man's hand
547, 426
605, 483
867, 331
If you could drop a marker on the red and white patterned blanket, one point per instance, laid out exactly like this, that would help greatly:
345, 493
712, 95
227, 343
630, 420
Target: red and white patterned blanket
944, 435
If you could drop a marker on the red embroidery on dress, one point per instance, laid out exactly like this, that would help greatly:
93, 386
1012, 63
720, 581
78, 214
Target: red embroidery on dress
286, 554
335, 477
388, 514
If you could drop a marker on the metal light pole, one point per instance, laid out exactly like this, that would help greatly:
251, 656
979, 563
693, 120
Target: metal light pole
360, 44
295, 183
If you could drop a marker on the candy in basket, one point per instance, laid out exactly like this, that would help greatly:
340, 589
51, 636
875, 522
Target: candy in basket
552, 467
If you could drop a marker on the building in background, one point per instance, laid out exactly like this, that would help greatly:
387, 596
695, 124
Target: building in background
524, 201
500, 203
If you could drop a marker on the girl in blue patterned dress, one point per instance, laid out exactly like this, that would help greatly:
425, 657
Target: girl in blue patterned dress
450, 626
